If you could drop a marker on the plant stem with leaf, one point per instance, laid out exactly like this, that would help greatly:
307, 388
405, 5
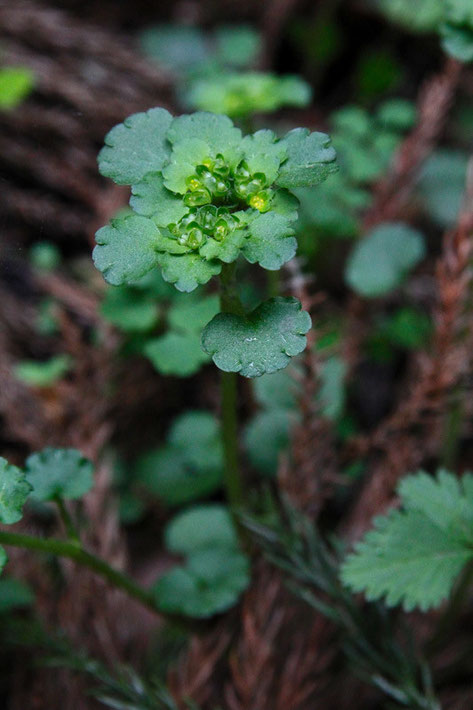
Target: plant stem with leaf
74, 551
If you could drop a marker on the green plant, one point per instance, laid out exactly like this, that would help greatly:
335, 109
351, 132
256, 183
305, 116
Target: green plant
245, 93
414, 555
202, 195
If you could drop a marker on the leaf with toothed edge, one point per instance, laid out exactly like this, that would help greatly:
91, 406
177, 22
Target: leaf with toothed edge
311, 159
136, 147
151, 198
263, 341
59, 472
187, 271
126, 249
271, 243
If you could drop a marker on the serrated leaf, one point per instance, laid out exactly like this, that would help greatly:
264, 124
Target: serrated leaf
444, 499
208, 525
210, 583
130, 309
263, 341
14, 490
381, 261
187, 271
136, 147
126, 249
407, 558
216, 130
191, 315
151, 199
311, 158
270, 243
178, 354
414, 555
63, 473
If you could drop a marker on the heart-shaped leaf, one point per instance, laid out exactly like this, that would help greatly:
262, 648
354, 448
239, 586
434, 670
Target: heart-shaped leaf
14, 490
263, 341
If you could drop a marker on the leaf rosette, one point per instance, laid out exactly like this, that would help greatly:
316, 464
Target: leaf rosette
202, 194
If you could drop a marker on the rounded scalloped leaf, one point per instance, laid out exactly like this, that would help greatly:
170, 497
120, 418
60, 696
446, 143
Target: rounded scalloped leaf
167, 474
207, 525
263, 341
59, 473
136, 147
216, 130
178, 354
187, 271
270, 243
14, 490
197, 434
381, 260
151, 198
210, 583
311, 158
126, 249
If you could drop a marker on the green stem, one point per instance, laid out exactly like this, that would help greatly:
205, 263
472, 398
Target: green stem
71, 530
230, 303
73, 551
272, 282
